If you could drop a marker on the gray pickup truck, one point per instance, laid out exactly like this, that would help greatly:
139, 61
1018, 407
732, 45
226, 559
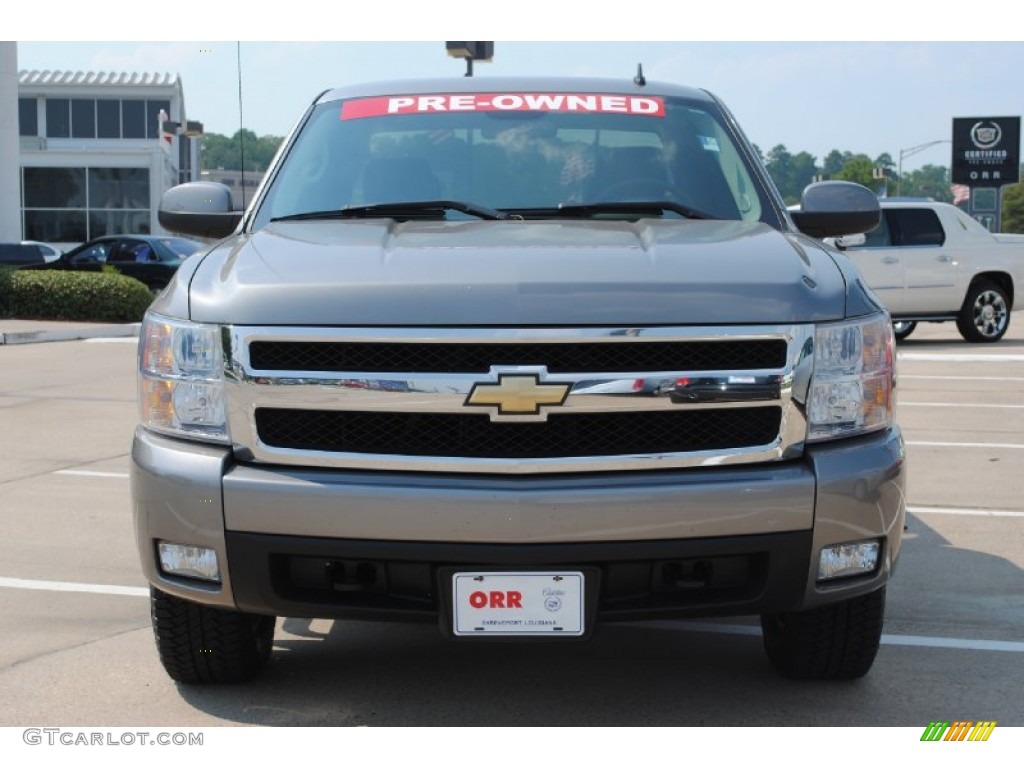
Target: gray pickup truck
517, 357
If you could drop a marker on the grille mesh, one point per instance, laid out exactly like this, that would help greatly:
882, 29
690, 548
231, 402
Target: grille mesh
476, 436
403, 357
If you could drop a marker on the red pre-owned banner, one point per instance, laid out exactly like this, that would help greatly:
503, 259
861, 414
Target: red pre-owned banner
647, 106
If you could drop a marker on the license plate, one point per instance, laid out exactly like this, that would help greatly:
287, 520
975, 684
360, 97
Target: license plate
518, 603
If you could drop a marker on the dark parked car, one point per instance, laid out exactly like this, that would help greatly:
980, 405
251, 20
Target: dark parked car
20, 254
151, 259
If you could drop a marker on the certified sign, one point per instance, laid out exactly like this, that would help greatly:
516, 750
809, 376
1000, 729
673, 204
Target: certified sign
518, 603
986, 151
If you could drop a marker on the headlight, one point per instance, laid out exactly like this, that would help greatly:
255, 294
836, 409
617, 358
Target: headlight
181, 379
852, 388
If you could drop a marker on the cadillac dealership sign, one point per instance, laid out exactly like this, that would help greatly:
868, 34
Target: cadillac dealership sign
986, 151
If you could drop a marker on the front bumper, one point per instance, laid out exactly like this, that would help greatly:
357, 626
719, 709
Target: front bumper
363, 544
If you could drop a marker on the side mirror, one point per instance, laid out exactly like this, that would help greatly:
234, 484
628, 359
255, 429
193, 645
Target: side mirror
849, 241
836, 208
199, 208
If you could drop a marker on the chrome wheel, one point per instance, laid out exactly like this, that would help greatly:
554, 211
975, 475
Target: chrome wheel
990, 313
986, 313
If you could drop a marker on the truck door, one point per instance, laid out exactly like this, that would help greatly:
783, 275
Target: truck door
881, 265
929, 266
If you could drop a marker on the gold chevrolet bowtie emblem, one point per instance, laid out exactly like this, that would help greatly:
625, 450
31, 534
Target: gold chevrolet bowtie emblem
518, 395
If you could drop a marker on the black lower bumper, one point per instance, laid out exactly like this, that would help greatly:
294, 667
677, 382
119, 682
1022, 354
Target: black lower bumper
411, 581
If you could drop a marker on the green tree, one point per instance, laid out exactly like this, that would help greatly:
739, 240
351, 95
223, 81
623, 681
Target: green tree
779, 163
791, 173
220, 151
1013, 208
928, 181
834, 162
805, 168
858, 169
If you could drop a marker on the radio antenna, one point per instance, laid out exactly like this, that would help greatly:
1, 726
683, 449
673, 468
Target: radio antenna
640, 79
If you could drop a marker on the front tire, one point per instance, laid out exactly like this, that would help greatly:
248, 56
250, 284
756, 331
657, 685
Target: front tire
836, 642
902, 328
985, 316
199, 644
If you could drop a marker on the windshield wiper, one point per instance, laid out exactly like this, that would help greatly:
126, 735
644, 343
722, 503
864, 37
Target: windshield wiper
641, 207
632, 206
402, 210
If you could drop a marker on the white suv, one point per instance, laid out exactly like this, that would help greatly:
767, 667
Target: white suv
932, 262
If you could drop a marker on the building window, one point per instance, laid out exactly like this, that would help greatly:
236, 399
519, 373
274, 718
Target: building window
58, 118
152, 111
114, 222
94, 118
108, 118
133, 119
60, 206
54, 187
28, 118
56, 226
83, 118
118, 188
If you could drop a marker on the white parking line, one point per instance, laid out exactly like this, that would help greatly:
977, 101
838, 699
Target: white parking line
88, 473
71, 586
956, 357
967, 644
961, 378
942, 444
113, 340
964, 512
959, 405
918, 641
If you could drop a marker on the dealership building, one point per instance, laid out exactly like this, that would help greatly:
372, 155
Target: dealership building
97, 150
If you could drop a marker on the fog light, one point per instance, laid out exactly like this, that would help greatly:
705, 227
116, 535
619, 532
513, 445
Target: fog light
848, 560
191, 562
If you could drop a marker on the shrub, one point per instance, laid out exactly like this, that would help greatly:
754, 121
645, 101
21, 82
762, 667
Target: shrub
89, 296
6, 275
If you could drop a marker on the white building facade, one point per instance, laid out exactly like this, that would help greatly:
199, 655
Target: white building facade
10, 218
94, 157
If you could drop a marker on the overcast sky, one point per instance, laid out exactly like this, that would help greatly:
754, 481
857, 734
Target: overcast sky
871, 96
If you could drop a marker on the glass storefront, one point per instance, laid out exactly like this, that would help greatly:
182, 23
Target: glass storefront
77, 204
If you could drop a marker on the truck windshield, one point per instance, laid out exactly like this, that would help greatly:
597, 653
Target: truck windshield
523, 153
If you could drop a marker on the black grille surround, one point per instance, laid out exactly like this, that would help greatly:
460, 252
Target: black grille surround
589, 357
475, 436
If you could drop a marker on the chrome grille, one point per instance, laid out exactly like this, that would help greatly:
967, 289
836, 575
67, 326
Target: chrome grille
395, 399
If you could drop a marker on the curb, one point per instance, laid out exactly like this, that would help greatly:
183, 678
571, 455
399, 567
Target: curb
70, 334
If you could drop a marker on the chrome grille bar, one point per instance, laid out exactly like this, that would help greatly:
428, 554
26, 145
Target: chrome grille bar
443, 396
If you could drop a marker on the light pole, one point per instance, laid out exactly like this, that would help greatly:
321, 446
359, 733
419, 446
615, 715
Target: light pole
910, 152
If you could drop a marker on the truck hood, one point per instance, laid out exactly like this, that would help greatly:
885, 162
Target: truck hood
516, 273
